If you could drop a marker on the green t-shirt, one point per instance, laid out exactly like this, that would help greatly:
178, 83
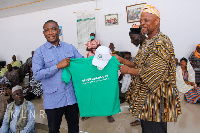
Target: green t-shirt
97, 91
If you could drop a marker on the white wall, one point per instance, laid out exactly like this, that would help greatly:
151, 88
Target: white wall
23, 33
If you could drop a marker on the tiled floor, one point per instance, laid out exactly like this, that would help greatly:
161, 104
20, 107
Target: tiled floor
188, 122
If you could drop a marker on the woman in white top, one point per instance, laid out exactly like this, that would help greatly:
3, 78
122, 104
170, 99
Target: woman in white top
185, 81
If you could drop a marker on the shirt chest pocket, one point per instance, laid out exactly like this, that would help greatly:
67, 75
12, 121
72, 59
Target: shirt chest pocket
49, 61
69, 55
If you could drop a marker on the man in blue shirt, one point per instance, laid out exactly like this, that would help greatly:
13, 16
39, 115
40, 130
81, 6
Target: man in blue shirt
20, 114
47, 65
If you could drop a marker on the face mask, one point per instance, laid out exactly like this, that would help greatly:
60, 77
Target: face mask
91, 37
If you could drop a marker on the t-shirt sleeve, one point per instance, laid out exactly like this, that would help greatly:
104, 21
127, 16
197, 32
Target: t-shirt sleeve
66, 75
116, 61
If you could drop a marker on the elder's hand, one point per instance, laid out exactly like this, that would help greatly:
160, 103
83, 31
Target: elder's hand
118, 57
124, 69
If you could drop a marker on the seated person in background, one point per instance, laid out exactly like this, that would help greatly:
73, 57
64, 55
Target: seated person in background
25, 68
194, 59
177, 63
127, 55
34, 90
19, 116
124, 80
15, 63
92, 45
12, 75
112, 48
3, 70
2, 108
185, 81
8, 92
137, 38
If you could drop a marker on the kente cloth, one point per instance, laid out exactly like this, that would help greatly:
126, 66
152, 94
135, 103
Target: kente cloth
153, 96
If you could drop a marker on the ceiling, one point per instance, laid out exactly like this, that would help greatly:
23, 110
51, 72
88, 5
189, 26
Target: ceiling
15, 7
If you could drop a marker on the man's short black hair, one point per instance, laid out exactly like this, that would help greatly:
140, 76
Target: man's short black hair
92, 33
51, 21
127, 53
135, 30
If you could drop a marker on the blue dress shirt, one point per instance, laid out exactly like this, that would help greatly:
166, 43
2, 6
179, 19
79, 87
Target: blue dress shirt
56, 93
31, 120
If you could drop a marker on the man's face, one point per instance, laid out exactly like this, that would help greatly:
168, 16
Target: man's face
51, 32
18, 97
92, 36
127, 56
135, 39
112, 47
14, 58
183, 64
9, 67
148, 23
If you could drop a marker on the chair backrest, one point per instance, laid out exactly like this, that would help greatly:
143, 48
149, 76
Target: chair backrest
2, 64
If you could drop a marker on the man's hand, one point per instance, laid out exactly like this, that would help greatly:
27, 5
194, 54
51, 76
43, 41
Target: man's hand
128, 70
64, 63
194, 89
124, 69
120, 59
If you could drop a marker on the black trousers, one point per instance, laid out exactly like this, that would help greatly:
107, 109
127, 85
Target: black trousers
54, 117
153, 127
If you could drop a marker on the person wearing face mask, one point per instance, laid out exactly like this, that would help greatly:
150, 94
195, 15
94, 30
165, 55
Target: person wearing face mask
92, 45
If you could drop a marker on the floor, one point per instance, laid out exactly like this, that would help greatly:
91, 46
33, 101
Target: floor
188, 122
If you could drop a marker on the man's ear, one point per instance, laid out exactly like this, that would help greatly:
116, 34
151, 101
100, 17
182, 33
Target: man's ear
59, 31
157, 21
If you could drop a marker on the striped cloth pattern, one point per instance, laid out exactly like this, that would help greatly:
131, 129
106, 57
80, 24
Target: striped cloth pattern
191, 96
153, 96
150, 9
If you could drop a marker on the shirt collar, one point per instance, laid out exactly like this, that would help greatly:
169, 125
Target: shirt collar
49, 45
